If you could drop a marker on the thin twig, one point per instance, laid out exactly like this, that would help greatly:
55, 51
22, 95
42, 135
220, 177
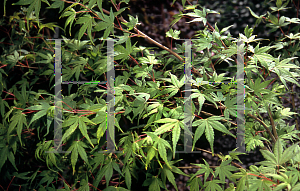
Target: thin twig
272, 123
156, 43
191, 167
235, 164
209, 114
265, 126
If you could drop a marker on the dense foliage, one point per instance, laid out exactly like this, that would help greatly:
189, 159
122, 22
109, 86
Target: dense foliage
149, 101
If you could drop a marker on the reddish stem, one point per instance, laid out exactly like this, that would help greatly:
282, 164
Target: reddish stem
10, 183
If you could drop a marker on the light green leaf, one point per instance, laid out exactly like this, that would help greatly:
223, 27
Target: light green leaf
83, 130
175, 137
173, 34
278, 150
87, 22
3, 156
70, 130
128, 178
171, 177
209, 133
199, 131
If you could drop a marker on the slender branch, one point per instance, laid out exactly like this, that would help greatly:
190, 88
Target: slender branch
156, 43
191, 167
233, 163
212, 28
209, 114
272, 123
265, 126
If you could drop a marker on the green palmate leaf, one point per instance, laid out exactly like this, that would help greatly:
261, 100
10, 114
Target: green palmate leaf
161, 146
231, 187
175, 81
73, 122
149, 59
51, 159
106, 170
296, 187
83, 128
194, 184
154, 183
132, 22
120, 11
117, 168
108, 173
259, 87
11, 159
123, 53
269, 156
46, 177
209, 133
278, 150
243, 182
201, 99
101, 26
260, 184
286, 112
225, 29
279, 157
128, 178
198, 133
75, 148
84, 184
231, 108
175, 137
97, 160
207, 125
218, 126
278, 3
166, 127
253, 142
107, 24
35, 5
101, 130
177, 18
17, 123
213, 185
74, 156
4, 155
99, 176
171, 177
87, 22
57, 4
48, 25
225, 170
82, 151
99, 3
169, 124
289, 153
175, 169
44, 107
71, 14
150, 154
204, 169
203, 43
173, 34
